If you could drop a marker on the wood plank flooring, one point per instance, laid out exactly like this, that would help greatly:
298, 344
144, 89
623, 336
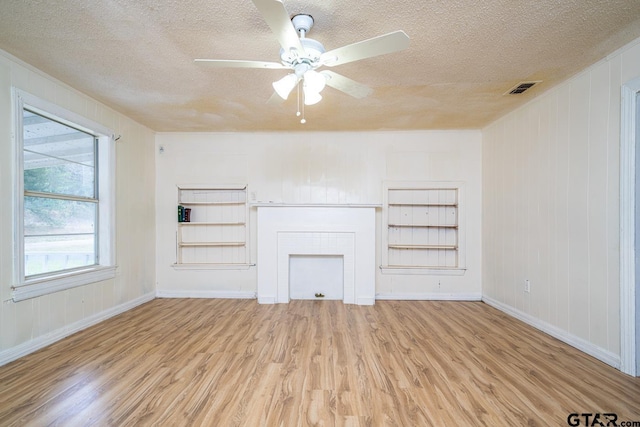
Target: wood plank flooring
174, 362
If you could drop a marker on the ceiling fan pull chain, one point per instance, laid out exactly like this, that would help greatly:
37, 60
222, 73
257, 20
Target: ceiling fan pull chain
298, 113
298, 110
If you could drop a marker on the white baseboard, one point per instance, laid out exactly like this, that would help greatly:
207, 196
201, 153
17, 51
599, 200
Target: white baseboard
430, 297
206, 294
13, 353
581, 344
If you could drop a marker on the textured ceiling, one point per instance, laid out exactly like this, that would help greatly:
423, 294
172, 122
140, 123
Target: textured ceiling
137, 57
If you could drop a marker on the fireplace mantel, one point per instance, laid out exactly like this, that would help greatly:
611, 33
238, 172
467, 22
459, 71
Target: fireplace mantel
344, 230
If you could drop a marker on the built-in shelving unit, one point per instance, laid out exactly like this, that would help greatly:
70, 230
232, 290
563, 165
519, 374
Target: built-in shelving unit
422, 227
216, 233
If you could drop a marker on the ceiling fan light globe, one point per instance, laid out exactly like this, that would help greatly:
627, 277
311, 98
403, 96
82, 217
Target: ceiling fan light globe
285, 85
311, 97
314, 81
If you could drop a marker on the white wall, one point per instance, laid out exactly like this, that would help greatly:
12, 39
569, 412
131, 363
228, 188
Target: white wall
30, 324
551, 207
333, 168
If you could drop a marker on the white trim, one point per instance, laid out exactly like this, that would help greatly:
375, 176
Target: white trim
68, 280
206, 294
63, 115
627, 227
343, 245
581, 344
18, 188
25, 288
430, 297
107, 201
25, 348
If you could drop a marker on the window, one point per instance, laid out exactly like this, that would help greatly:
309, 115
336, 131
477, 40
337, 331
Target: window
64, 202
60, 196
423, 228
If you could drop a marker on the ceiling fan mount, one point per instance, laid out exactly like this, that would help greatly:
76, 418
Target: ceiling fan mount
302, 23
303, 56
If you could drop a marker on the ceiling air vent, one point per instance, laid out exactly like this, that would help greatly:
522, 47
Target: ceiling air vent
522, 87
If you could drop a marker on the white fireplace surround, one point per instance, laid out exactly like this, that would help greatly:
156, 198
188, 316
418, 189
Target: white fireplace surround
343, 230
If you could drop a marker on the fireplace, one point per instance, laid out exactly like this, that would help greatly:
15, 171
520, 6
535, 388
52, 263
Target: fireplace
347, 231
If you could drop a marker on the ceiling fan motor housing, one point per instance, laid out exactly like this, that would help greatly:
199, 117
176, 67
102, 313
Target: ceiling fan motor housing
313, 49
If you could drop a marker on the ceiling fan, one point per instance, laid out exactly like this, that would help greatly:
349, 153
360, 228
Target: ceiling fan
304, 56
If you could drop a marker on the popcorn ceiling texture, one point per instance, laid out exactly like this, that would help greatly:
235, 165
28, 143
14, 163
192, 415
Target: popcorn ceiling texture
137, 57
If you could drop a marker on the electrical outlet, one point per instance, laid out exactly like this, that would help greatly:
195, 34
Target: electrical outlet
527, 286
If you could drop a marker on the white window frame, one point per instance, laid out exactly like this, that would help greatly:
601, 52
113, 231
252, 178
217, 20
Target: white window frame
424, 270
25, 288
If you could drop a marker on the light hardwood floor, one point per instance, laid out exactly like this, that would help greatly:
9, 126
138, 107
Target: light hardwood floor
234, 362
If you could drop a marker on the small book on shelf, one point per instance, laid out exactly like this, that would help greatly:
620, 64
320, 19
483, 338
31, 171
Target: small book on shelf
180, 213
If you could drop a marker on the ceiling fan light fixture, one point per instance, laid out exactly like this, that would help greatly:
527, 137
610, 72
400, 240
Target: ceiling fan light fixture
303, 56
311, 98
312, 84
285, 85
314, 81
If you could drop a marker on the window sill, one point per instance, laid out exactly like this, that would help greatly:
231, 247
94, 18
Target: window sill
33, 288
428, 271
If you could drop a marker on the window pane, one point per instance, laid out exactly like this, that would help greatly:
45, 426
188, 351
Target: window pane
57, 158
58, 234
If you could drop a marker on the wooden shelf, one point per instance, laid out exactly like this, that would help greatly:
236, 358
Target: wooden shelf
197, 244
211, 223
425, 215
453, 205
211, 203
448, 247
218, 234
423, 226
212, 266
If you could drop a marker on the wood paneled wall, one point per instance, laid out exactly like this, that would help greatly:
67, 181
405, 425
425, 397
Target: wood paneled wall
318, 168
27, 324
551, 206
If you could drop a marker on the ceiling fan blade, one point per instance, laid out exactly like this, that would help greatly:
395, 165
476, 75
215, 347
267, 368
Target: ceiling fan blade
276, 16
232, 63
275, 99
380, 45
346, 85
